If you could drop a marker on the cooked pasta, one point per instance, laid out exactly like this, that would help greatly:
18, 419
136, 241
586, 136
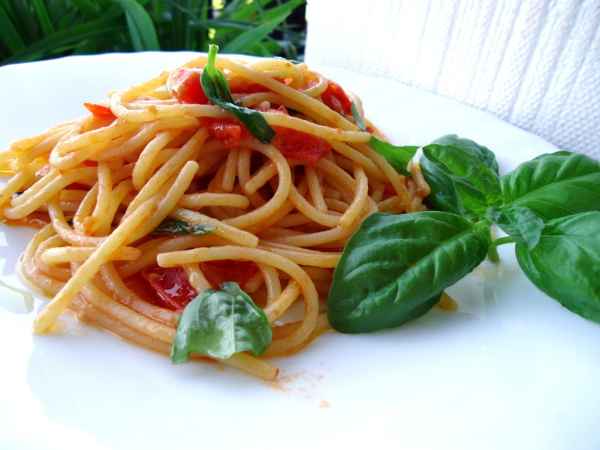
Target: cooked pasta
272, 217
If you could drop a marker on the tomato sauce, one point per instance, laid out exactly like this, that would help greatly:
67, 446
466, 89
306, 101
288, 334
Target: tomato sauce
171, 286
336, 98
100, 112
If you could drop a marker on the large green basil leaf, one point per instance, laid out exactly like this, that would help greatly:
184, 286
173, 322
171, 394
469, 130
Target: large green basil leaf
217, 90
397, 156
394, 267
462, 179
483, 153
554, 185
518, 222
219, 323
566, 263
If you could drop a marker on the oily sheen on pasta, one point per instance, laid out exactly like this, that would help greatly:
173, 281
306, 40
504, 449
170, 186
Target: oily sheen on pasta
276, 215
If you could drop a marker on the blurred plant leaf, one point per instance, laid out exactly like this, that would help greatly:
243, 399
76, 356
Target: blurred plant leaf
43, 16
251, 37
87, 7
276, 11
141, 27
37, 29
10, 37
67, 37
24, 20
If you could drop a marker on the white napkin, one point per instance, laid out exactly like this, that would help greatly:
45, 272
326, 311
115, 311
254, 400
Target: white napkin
534, 63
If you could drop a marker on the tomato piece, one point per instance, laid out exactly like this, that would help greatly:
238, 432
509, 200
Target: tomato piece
185, 85
100, 111
388, 190
229, 131
335, 97
300, 146
140, 286
80, 186
171, 285
218, 272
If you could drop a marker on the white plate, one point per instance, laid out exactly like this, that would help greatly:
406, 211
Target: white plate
510, 370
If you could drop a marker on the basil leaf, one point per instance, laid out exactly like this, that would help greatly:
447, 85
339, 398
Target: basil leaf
217, 90
566, 263
484, 154
359, 120
220, 323
397, 156
461, 180
395, 267
179, 227
519, 222
554, 185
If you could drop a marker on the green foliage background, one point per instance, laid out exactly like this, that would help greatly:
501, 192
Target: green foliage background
39, 29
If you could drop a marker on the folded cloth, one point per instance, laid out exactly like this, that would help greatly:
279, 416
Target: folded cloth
534, 63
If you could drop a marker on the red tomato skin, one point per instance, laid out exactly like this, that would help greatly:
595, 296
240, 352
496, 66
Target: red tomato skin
140, 286
336, 98
299, 146
186, 86
229, 131
171, 285
218, 272
388, 191
100, 111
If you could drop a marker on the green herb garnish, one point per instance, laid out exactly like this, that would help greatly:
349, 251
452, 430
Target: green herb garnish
565, 264
519, 222
179, 227
220, 323
217, 90
554, 185
395, 267
397, 156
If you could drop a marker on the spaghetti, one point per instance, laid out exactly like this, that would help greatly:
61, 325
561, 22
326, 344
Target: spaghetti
276, 215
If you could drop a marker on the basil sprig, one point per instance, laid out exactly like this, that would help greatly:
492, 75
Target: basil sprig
220, 323
180, 228
217, 90
395, 266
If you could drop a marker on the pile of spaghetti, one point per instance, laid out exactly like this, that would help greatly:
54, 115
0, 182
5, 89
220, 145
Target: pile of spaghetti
161, 194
